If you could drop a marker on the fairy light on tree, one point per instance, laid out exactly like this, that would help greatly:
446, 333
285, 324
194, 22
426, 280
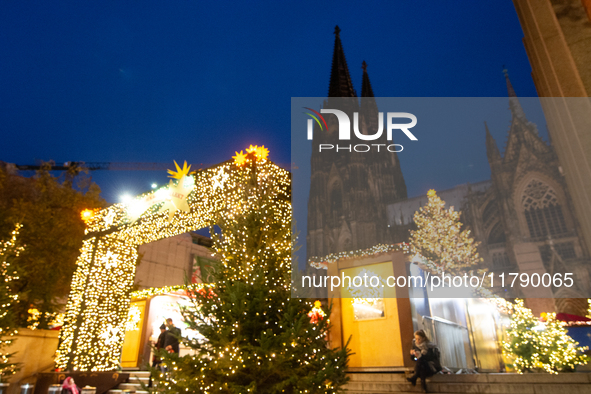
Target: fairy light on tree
8, 252
258, 339
533, 345
440, 240
254, 257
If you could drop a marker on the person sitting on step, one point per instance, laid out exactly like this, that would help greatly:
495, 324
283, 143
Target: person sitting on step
427, 359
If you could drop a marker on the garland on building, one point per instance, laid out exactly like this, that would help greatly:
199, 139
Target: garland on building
258, 338
8, 251
322, 262
440, 240
154, 291
533, 345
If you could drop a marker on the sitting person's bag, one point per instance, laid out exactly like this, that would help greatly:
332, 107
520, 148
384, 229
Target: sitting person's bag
435, 360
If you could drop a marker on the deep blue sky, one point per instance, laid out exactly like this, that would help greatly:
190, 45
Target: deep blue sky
154, 81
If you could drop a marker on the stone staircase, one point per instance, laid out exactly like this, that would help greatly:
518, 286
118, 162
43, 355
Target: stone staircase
133, 384
534, 383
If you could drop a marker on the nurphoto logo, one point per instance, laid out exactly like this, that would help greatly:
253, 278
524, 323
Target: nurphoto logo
345, 130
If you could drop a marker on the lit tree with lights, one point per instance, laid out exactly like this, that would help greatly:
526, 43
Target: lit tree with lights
440, 240
8, 251
258, 339
533, 345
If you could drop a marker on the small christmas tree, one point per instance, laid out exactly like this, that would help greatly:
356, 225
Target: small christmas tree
440, 240
258, 339
533, 345
8, 251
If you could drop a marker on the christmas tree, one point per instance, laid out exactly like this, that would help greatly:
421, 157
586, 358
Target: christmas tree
8, 251
439, 238
533, 345
257, 338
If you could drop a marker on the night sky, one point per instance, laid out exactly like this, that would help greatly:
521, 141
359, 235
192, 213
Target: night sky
153, 81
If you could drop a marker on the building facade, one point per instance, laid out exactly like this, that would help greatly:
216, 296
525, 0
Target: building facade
523, 217
557, 39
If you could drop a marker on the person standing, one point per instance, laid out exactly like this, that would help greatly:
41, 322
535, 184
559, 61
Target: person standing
159, 345
171, 341
156, 360
426, 355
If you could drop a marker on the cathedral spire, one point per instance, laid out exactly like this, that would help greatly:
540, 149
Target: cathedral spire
340, 80
492, 150
514, 104
366, 90
369, 108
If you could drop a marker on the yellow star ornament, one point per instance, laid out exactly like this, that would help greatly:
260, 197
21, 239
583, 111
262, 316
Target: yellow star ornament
178, 193
240, 158
260, 152
180, 172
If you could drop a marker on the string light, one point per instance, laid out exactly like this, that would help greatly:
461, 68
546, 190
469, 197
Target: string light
322, 262
440, 240
98, 304
8, 274
532, 344
259, 339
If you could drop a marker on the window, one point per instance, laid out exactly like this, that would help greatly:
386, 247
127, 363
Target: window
543, 213
565, 250
500, 260
490, 213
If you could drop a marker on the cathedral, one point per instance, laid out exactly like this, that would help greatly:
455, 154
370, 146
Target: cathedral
350, 193
522, 217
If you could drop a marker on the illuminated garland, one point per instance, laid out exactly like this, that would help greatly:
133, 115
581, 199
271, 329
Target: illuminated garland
98, 305
322, 263
7, 276
154, 291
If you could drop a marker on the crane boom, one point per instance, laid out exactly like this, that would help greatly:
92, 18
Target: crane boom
113, 166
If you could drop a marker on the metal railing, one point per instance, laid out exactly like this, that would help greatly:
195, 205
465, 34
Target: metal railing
453, 341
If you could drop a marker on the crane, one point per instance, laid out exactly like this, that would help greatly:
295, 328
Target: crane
113, 166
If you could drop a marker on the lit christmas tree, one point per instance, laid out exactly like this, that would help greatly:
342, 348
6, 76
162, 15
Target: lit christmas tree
440, 240
258, 339
533, 345
8, 251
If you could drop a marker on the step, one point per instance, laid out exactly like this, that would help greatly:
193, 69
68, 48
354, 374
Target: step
139, 374
571, 383
130, 386
377, 377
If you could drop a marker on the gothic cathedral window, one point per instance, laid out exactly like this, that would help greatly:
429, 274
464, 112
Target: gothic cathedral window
543, 212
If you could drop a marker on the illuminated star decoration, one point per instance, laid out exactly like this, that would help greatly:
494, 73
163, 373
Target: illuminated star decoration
111, 334
110, 259
261, 153
177, 199
110, 218
220, 179
239, 159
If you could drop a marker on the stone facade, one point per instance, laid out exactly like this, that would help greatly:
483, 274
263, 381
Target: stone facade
557, 39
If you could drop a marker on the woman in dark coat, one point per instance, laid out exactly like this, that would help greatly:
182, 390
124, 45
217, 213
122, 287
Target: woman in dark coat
427, 359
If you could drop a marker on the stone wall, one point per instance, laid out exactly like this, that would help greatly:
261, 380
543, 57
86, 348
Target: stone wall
35, 350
